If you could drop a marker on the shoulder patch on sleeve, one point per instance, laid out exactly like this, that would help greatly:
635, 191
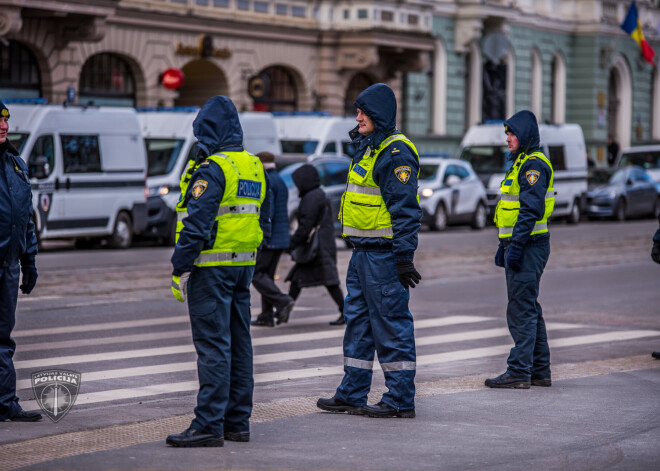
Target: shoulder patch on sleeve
402, 173
532, 176
199, 187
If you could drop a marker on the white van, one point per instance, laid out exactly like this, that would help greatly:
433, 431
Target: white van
87, 169
484, 146
170, 143
308, 136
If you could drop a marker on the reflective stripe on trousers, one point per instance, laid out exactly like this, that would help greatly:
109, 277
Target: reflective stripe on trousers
368, 365
539, 226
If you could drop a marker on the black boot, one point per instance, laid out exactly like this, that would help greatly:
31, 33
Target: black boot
26, 416
284, 313
508, 382
339, 321
264, 320
337, 405
382, 410
193, 438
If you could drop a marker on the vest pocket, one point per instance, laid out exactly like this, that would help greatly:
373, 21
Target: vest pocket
365, 213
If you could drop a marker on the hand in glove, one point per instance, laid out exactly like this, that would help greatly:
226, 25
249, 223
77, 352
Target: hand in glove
29, 277
180, 286
512, 257
655, 252
499, 256
408, 276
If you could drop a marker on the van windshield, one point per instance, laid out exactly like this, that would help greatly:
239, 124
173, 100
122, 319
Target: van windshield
299, 147
17, 139
647, 160
162, 155
487, 159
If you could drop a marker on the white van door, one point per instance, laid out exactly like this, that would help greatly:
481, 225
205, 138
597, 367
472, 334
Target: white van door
47, 200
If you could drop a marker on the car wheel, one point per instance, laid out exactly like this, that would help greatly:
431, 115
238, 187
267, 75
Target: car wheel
575, 215
479, 217
620, 210
439, 222
122, 235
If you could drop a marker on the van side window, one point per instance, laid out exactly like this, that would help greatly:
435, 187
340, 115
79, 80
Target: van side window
348, 148
44, 146
330, 148
334, 173
80, 154
557, 157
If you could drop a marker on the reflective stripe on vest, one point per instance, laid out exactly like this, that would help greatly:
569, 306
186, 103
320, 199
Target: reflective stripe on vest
539, 226
549, 194
229, 209
215, 257
355, 363
363, 212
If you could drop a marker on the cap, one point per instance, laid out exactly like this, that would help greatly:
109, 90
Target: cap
266, 157
4, 112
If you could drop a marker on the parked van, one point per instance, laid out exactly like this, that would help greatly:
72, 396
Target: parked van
647, 157
484, 146
308, 136
87, 168
170, 144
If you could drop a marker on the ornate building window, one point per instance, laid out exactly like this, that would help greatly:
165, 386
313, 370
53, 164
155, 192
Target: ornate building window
19, 72
282, 93
357, 84
106, 79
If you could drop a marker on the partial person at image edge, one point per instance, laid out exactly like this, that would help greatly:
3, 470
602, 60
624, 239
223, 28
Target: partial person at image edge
18, 251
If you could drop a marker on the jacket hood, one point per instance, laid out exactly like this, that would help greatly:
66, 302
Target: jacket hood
379, 103
306, 178
523, 124
217, 127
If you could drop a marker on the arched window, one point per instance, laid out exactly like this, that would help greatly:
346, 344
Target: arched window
619, 106
655, 106
19, 72
558, 89
106, 79
357, 84
281, 91
536, 90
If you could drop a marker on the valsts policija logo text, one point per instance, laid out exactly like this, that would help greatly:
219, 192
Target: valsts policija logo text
56, 391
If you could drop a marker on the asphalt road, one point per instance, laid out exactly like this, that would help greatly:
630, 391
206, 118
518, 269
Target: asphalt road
110, 315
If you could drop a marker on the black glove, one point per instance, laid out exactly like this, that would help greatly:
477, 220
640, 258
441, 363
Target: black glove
512, 257
29, 277
499, 256
408, 276
655, 252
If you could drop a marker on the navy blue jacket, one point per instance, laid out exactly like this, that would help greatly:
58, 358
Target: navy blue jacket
532, 196
279, 234
18, 241
379, 103
217, 130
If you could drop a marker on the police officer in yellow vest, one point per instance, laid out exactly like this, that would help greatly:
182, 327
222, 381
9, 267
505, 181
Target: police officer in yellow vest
223, 215
380, 217
521, 217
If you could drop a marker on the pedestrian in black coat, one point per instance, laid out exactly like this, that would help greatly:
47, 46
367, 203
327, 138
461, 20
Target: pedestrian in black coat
314, 209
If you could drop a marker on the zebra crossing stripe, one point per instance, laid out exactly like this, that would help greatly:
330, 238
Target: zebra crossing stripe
432, 359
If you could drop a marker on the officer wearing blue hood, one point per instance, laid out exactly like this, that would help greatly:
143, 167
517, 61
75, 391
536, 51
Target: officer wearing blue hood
18, 245
380, 217
521, 217
222, 217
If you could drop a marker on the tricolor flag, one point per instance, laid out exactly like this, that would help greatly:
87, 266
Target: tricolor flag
633, 27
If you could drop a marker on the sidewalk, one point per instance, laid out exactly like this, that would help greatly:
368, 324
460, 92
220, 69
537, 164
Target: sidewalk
597, 415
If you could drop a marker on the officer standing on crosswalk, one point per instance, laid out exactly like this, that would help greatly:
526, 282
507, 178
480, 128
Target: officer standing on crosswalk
222, 218
18, 249
521, 217
380, 216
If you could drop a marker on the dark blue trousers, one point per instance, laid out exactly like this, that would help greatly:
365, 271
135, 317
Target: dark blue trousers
377, 319
9, 277
524, 316
219, 306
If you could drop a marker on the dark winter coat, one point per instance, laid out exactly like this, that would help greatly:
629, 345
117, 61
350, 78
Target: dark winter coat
279, 233
314, 207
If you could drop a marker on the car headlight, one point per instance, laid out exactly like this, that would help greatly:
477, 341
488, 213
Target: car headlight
159, 190
611, 194
426, 192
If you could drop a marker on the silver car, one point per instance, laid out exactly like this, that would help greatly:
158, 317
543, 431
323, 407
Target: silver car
451, 193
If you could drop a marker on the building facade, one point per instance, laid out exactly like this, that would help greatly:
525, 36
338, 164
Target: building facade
452, 63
